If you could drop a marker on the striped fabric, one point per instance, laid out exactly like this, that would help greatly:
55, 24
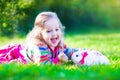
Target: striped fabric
43, 55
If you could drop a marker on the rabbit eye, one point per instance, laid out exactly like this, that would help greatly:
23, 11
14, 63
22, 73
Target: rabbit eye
76, 55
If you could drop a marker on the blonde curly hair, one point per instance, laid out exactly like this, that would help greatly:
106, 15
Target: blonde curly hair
34, 36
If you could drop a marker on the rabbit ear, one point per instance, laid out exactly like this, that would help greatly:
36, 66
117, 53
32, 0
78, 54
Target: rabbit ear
75, 50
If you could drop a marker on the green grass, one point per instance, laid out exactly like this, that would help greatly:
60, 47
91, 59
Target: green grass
4, 40
106, 41
15, 71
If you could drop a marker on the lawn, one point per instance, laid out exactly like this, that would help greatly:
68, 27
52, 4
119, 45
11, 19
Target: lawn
106, 41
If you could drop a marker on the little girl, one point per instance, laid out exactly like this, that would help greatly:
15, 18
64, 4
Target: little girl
45, 43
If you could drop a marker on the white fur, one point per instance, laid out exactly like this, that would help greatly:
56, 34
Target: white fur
93, 57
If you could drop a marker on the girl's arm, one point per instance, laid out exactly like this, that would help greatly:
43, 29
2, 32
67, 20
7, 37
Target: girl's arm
32, 53
38, 55
68, 51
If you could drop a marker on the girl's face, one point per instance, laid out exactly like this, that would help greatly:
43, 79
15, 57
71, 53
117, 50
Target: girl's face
51, 32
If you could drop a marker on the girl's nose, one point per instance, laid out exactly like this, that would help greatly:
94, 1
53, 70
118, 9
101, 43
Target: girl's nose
54, 33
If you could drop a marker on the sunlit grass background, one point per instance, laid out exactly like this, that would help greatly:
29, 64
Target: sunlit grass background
106, 41
95, 16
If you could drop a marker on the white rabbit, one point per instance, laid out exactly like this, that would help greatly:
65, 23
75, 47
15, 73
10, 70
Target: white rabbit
89, 57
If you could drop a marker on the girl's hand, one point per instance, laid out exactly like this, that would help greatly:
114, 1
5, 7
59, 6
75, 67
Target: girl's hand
62, 57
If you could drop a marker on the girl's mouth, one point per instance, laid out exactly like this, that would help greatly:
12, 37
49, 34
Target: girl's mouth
54, 40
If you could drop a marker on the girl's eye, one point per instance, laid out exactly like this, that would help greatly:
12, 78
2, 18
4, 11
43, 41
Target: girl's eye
57, 29
48, 31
